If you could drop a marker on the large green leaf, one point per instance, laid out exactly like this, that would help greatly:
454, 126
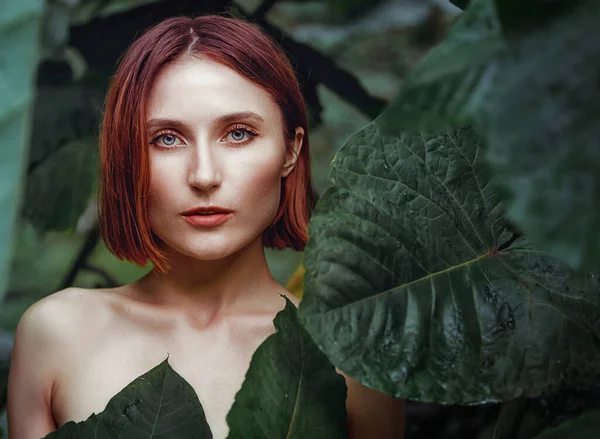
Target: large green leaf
452, 80
91, 428
19, 33
159, 404
541, 121
586, 426
291, 390
416, 285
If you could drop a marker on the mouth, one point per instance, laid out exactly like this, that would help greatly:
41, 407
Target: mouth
207, 216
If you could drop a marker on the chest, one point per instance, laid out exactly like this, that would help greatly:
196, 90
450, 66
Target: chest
213, 364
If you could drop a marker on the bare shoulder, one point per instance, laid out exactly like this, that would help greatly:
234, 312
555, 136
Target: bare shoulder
70, 302
62, 312
45, 327
47, 334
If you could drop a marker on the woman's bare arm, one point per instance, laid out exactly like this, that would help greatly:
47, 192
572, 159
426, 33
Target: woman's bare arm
373, 414
30, 379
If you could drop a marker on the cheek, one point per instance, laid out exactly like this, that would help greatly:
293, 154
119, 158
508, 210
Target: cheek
265, 180
162, 188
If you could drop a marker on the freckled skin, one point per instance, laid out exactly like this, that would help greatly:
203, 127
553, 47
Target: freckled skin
215, 305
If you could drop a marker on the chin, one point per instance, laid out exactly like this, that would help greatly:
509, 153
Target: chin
209, 249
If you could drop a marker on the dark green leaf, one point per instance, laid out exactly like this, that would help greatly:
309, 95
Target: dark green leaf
416, 285
291, 390
63, 114
19, 49
524, 15
159, 404
91, 428
541, 121
60, 186
460, 3
586, 426
448, 86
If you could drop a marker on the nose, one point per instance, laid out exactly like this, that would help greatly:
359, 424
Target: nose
204, 172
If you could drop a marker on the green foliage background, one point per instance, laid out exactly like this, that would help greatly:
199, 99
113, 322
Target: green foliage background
441, 262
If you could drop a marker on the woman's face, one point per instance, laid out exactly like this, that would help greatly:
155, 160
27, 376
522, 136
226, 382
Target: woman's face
215, 139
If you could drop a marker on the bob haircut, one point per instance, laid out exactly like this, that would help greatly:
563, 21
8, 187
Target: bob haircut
124, 157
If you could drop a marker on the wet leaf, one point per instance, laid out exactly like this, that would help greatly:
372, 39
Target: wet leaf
417, 286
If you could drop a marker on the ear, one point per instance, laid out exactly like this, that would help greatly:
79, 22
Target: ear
293, 155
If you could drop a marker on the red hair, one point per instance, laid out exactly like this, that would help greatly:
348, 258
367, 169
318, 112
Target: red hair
124, 158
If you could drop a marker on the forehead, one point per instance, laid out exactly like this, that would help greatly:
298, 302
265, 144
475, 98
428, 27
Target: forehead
202, 89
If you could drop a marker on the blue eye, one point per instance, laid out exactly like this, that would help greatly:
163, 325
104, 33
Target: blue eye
241, 135
238, 135
166, 140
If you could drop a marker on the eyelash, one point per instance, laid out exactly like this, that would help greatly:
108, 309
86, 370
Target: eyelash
245, 128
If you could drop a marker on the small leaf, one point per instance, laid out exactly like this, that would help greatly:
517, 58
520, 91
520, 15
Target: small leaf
417, 286
159, 404
291, 390
586, 426
19, 51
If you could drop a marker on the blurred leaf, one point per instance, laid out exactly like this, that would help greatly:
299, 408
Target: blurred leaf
509, 419
463, 4
158, 404
541, 121
528, 80
525, 15
63, 114
291, 390
19, 50
416, 285
58, 188
586, 426
448, 86
55, 26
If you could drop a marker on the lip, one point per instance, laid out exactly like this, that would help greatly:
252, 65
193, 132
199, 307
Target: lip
197, 216
203, 209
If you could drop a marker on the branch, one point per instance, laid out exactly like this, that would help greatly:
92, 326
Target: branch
314, 66
86, 250
121, 29
103, 40
262, 10
108, 279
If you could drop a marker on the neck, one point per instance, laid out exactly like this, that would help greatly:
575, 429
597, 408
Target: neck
210, 289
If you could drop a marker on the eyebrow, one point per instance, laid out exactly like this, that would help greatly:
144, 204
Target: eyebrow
225, 118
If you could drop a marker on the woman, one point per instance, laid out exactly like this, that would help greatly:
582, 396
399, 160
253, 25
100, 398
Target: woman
205, 161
